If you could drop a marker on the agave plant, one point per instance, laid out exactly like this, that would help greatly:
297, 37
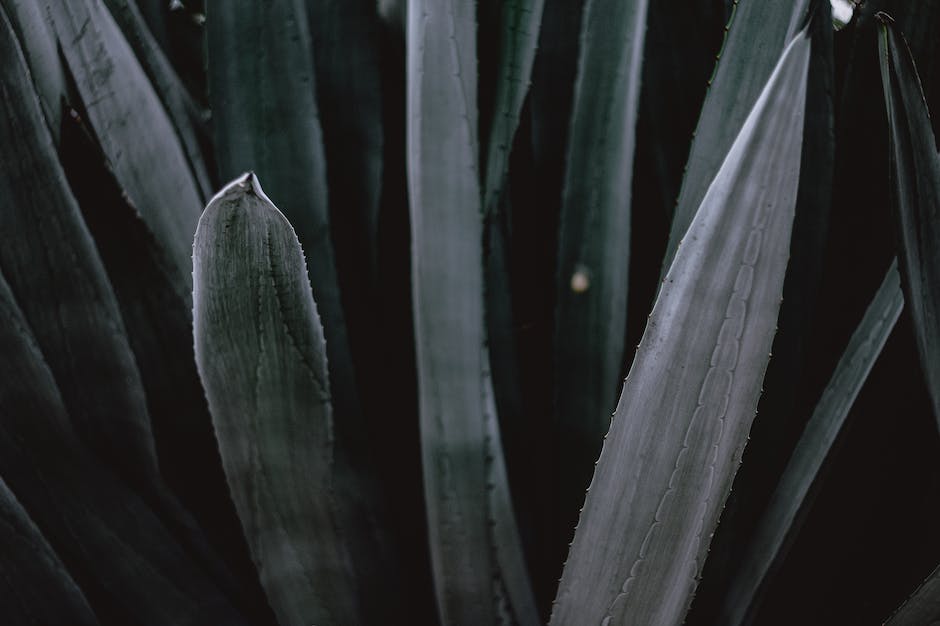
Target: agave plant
397, 385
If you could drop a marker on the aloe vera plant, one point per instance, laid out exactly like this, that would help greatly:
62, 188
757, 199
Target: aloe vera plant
381, 402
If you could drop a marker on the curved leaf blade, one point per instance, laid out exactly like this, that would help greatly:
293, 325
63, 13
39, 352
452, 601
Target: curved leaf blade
757, 34
687, 404
915, 175
782, 517
51, 264
261, 356
130, 124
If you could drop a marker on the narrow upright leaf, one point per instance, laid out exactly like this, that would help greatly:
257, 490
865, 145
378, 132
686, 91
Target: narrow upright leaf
519, 22
688, 402
923, 607
261, 356
266, 120
758, 33
781, 519
594, 242
915, 176
130, 123
34, 585
344, 35
447, 288
511, 578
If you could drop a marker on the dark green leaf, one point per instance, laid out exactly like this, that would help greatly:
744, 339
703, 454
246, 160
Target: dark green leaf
159, 330
783, 516
184, 112
118, 552
53, 268
688, 402
51, 264
915, 174
36, 587
130, 124
261, 356
344, 35
594, 241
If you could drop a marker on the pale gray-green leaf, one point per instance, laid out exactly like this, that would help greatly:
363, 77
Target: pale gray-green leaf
130, 123
758, 33
687, 405
447, 289
261, 355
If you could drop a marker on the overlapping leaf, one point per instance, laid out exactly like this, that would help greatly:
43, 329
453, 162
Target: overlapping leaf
687, 404
116, 549
594, 240
758, 32
130, 123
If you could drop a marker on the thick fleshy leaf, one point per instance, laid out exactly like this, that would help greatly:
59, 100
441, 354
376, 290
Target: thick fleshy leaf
51, 264
447, 291
36, 586
118, 552
262, 359
158, 319
188, 119
265, 120
53, 267
594, 241
758, 33
783, 516
680, 428
923, 607
781, 411
915, 175
130, 123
